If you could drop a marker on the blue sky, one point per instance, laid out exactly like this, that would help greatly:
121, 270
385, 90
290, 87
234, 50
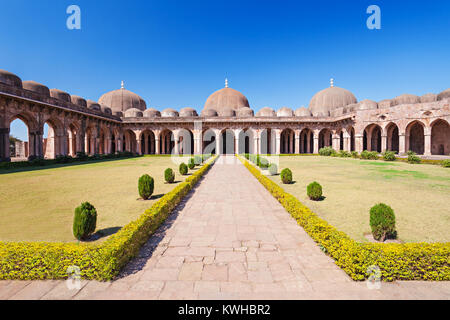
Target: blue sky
277, 53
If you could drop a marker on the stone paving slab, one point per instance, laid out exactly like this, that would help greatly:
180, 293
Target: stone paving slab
230, 239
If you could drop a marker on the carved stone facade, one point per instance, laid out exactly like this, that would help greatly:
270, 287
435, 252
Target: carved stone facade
408, 122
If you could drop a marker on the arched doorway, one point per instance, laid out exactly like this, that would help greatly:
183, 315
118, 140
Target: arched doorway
129, 141
51, 139
209, 142
306, 141
148, 142
325, 138
72, 141
246, 141
227, 142
287, 141
372, 138
415, 137
167, 142
18, 139
392, 137
440, 138
186, 142
267, 142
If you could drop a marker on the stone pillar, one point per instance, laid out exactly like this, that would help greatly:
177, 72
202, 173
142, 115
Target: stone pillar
218, 142
316, 142
347, 142
427, 150
236, 140
383, 143
277, 142
336, 143
176, 137
369, 140
359, 143
308, 142
297, 142
157, 144
197, 142
402, 144
4, 145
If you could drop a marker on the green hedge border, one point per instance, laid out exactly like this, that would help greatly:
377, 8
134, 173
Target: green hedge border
42, 260
410, 261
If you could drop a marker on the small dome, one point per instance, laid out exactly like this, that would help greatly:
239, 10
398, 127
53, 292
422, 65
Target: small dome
10, 79
188, 112
406, 99
429, 97
228, 112
444, 95
367, 105
122, 100
285, 112
387, 103
118, 114
302, 112
226, 98
330, 98
79, 101
106, 109
93, 105
266, 112
61, 95
152, 113
351, 108
170, 113
36, 87
245, 113
207, 113
133, 113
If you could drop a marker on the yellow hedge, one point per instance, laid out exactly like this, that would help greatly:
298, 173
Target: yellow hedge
411, 261
41, 260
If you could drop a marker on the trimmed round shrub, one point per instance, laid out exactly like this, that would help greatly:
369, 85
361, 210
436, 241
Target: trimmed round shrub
413, 158
146, 186
355, 154
169, 175
389, 156
382, 222
264, 163
183, 169
198, 160
327, 152
85, 221
446, 163
191, 163
286, 176
314, 191
273, 169
344, 154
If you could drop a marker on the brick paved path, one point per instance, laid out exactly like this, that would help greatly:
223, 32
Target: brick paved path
230, 239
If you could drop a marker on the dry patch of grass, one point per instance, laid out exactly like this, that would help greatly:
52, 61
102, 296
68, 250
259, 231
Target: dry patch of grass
419, 194
39, 205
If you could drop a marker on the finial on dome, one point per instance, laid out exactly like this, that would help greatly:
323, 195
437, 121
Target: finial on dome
122, 85
332, 82
226, 82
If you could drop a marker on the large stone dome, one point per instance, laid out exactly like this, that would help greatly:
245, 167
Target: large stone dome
121, 100
226, 98
329, 99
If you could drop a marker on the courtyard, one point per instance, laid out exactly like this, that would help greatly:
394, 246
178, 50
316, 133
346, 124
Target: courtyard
419, 194
38, 205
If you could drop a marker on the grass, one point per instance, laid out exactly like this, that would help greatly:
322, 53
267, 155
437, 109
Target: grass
39, 205
419, 194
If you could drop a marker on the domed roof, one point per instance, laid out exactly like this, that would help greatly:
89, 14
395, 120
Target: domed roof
266, 112
302, 112
188, 112
406, 99
444, 95
351, 107
170, 113
429, 97
36, 87
387, 103
133, 113
227, 112
285, 112
367, 105
226, 98
245, 113
10, 79
93, 105
152, 113
106, 109
79, 101
330, 98
61, 95
209, 113
122, 100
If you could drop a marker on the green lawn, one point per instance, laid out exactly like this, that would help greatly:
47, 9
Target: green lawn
39, 205
419, 194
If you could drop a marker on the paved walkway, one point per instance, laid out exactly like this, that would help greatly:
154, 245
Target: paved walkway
230, 239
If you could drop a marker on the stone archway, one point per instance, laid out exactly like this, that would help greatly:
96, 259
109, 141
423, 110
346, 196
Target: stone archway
246, 139
415, 137
440, 137
227, 142
267, 142
185, 142
392, 136
148, 142
209, 141
287, 141
325, 138
167, 142
372, 138
306, 141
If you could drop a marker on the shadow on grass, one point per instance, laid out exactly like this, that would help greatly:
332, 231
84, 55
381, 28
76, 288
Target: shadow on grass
103, 233
146, 252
